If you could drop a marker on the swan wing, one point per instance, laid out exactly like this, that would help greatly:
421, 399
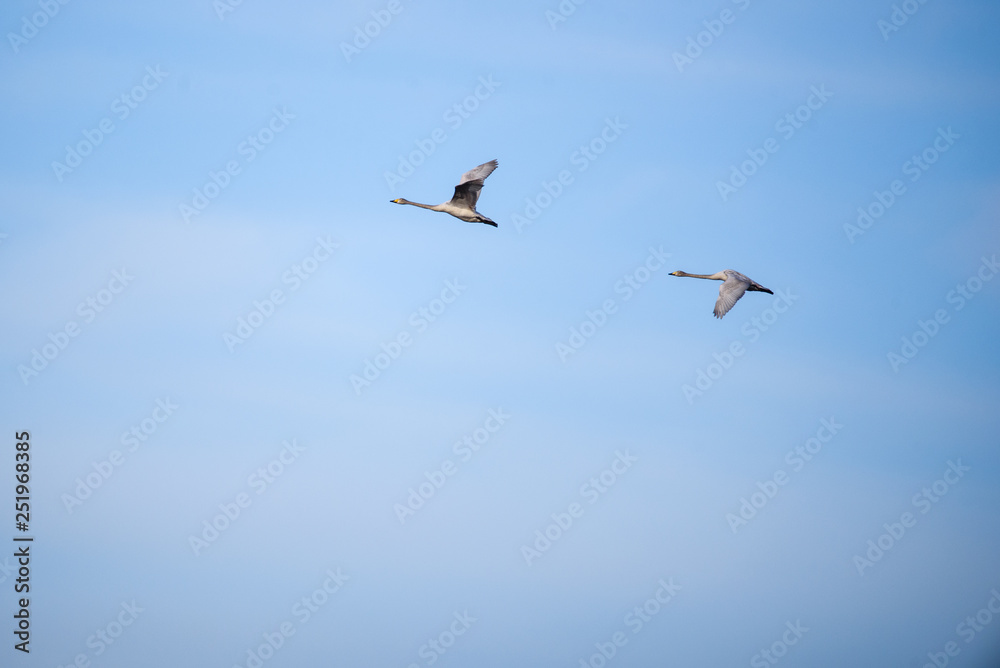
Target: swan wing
479, 173
468, 188
729, 293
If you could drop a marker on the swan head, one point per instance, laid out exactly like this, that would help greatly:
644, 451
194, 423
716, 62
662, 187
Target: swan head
677, 273
397, 201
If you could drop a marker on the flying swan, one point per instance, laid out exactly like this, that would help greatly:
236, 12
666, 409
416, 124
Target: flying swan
733, 286
463, 203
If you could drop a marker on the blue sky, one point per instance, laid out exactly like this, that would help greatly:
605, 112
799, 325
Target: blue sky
810, 481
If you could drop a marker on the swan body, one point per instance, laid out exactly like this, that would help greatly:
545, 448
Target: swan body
463, 203
734, 285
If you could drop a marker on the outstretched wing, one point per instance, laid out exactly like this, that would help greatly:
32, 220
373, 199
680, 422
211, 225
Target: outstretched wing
467, 190
479, 173
729, 293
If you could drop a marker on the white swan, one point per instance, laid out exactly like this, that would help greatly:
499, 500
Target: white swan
733, 286
463, 202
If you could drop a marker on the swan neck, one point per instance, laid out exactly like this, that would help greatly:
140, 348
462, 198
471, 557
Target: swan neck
422, 206
717, 277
